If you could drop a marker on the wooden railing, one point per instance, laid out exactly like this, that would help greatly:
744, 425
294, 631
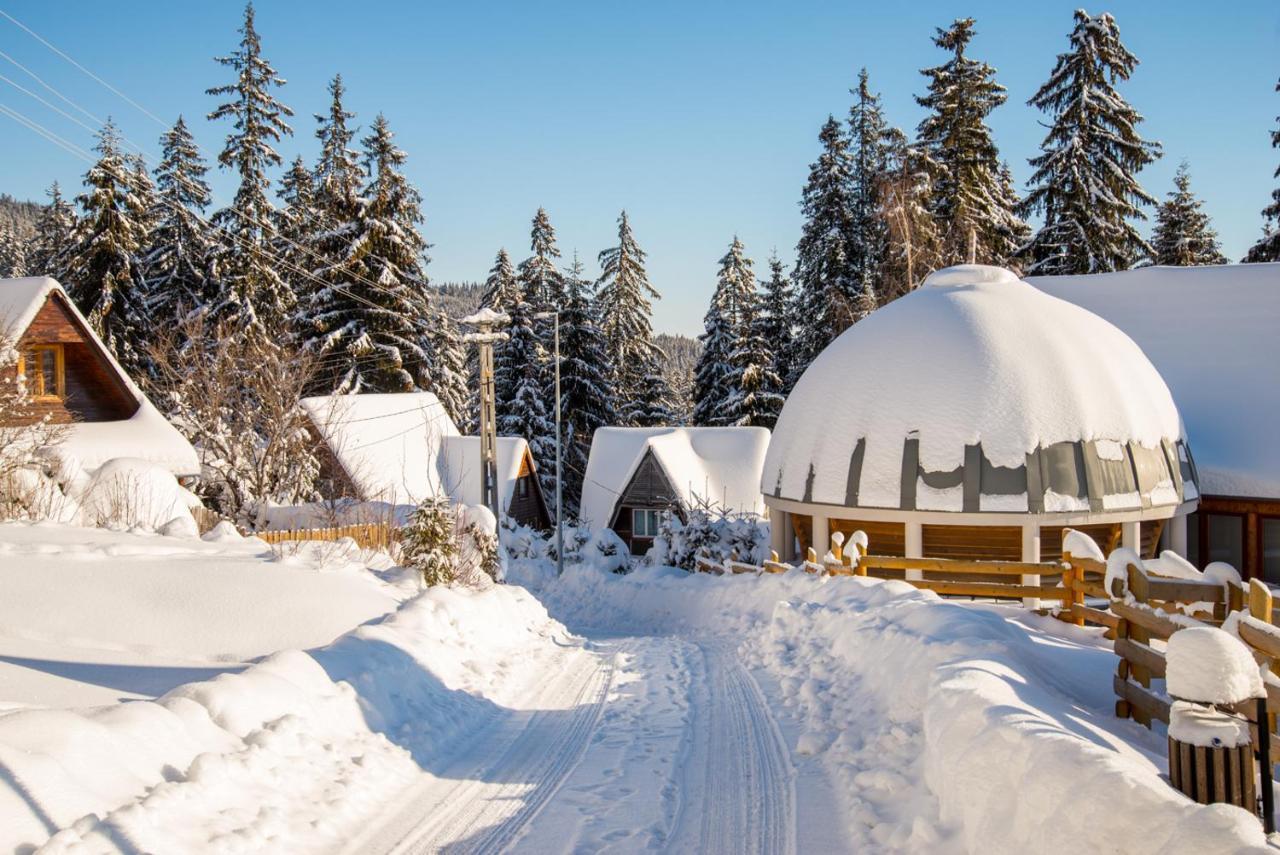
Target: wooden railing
366, 535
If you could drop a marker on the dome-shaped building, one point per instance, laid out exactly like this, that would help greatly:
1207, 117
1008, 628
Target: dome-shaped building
976, 418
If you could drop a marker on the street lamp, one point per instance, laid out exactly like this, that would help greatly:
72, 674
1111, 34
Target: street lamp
559, 493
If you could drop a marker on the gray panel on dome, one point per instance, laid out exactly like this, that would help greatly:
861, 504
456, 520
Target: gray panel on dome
973, 460
1172, 467
777, 487
944, 480
1189, 471
808, 484
855, 473
910, 471
1107, 477
1003, 480
1062, 470
1035, 484
1150, 468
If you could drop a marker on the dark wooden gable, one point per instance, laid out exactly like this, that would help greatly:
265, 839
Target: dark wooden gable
649, 487
95, 392
528, 506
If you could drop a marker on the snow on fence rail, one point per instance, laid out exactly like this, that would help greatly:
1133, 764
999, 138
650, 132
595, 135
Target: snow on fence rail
366, 535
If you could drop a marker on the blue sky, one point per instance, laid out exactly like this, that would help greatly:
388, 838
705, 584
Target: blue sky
699, 118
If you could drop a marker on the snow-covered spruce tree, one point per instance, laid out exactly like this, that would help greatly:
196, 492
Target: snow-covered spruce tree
447, 367
177, 265
757, 396
651, 404
1268, 247
623, 307
429, 543
13, 253
826, 279
973, 200
252, 289
103, 270
296, 224
502, 288
777, 320
869, 146
586, 387
1085, 181
914, 247
56, 233
716, 379
539, 275
520, 403
1183, 236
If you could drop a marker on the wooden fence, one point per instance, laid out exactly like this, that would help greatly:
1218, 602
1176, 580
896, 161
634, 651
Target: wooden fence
366, 535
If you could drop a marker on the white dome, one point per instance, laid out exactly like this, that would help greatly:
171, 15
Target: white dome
978, 392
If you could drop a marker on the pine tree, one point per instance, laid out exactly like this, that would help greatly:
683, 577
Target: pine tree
869, 146
56, 233
914, 246
586, 390
518, 371
296, 222
252, 291
13, 253
502, 288
1183, 236
972, 198
827, 282
1268, 247
777, 321
1085, 182
540, 277
103, 269
728, 322
623, 307
177, 265
371, 321
756, 399
447, 367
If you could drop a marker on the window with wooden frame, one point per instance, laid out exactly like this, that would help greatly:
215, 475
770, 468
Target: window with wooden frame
44, 366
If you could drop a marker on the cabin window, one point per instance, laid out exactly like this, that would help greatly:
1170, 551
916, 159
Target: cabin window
1226, 539
644, 522
43, 366
522, 487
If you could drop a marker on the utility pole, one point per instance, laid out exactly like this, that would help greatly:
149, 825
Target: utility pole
559, 480
484, 338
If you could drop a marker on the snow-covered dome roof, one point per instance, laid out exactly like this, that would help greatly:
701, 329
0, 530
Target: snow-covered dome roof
979, 392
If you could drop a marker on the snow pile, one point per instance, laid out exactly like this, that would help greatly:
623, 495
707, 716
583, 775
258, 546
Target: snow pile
1211, 333
129, 493
718, 466
993, 360
1081, 545
1211, 666
294, 754
942, 727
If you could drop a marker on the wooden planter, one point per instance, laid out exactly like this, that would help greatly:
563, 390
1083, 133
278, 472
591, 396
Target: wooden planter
1209, 775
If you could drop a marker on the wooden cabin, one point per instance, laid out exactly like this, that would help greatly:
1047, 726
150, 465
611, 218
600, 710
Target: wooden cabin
1212, 333
74, 381
401, 449
634, 475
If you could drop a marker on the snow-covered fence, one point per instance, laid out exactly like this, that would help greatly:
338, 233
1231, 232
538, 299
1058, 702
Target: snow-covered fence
366, 535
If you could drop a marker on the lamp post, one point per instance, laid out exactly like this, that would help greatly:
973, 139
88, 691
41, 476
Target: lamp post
555, 316
484, 338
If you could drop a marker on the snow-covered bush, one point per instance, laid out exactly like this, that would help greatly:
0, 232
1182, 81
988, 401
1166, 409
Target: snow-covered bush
709, 532
429, 543
479, 551
127, 493
602, 549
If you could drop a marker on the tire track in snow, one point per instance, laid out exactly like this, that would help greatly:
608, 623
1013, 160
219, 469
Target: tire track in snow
739, 786
481, 802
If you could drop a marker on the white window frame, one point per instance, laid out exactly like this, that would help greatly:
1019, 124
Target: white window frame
638, 514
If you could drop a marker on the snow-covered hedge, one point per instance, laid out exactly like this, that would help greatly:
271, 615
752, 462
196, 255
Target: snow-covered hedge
711, 533
535, 550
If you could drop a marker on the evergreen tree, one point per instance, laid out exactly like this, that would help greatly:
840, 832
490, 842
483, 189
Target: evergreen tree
717, 379
103, 269
869, 147
827, 282
177, 265
1085, 182
371, 321
623, 307
252, 292
502, 288
756, 399
448, 367
1268, 247
296, 224
56, 233
1183, 236
972, 197
540, 278
586, 390
13, 254
518, 372
777, 321
914, 246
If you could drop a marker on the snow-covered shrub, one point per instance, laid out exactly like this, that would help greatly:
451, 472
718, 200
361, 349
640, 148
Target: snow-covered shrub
602, 549
429, 543
709, 532
127, 493
479, 552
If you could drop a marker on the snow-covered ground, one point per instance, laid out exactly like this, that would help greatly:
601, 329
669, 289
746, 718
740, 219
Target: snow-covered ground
682, 713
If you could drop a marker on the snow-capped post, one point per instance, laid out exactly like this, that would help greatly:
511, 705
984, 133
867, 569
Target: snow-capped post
1210, 749
559, 491
484, 338
1031, 555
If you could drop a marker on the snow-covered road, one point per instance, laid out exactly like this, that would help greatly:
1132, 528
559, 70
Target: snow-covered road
647, 744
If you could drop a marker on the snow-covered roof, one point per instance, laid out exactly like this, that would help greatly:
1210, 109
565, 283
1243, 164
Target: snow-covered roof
403, 448
720, 465
1212, 333
146, 435
978, 392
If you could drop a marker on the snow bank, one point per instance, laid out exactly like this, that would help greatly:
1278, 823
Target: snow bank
292, 755
1211, 666
944, 727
